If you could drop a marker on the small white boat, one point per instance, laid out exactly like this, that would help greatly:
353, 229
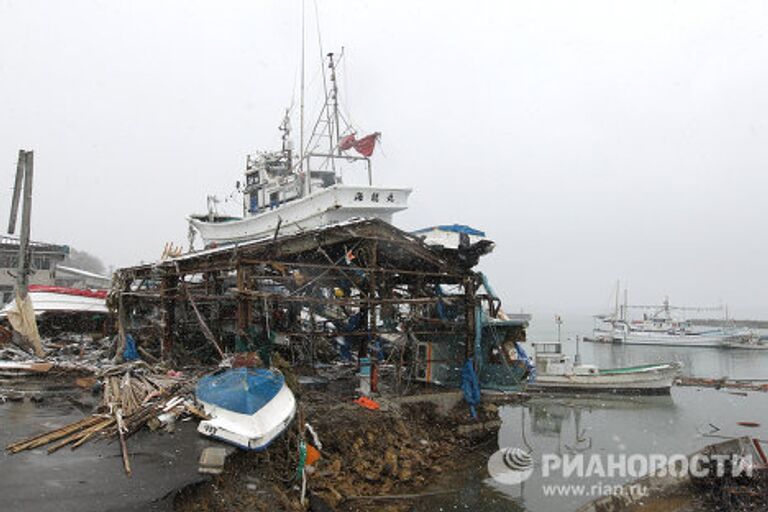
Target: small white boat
248, 407
750, 343
556, 371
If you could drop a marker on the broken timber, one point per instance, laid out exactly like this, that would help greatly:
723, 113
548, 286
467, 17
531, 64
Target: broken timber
303, 286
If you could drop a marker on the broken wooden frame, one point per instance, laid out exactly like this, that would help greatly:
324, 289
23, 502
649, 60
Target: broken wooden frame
305, 287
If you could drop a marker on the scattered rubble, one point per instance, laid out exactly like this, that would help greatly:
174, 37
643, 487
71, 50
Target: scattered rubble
389, 455
724, 383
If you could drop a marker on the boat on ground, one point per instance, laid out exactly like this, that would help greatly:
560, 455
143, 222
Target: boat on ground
248, 407
62, 300
286, 193
558, 372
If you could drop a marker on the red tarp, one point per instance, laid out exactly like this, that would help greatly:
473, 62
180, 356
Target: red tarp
96, 294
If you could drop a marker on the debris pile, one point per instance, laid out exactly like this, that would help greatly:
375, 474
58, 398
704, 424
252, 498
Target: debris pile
367, 456
724, 383
68, 352
733, 485
134, 395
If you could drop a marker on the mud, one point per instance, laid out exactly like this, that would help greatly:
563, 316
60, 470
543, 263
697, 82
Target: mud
369, 459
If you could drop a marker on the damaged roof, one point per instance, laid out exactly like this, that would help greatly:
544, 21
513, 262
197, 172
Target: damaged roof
397, 249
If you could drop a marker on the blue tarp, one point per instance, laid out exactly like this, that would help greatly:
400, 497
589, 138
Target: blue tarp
130, 353
454, 228
527, 360
470, 385
241, 390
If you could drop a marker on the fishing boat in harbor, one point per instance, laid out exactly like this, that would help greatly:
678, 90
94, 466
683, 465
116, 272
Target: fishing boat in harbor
249, 407
558, 372
284, 193
662, 325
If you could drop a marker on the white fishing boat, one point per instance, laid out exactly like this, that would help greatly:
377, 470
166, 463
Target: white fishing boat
663, 325
284, 194
558, 372
248, 407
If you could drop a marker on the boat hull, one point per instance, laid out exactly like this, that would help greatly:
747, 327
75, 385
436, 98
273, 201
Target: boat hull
669, 340
249, 431
654, 380
332, 205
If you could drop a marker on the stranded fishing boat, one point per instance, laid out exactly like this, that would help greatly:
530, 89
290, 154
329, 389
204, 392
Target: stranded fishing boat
59, 300
249, 407
284, 195
556, 371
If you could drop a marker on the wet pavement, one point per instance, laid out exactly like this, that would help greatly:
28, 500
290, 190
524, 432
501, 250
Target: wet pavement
90, 478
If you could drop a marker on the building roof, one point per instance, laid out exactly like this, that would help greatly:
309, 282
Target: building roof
81, 272
453, 228
398, 249
13, 241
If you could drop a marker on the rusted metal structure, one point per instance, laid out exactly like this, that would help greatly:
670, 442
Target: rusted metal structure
360, 283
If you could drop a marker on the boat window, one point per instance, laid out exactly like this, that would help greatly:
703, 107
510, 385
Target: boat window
254, 206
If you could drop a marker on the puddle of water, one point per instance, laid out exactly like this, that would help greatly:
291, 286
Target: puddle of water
90, 478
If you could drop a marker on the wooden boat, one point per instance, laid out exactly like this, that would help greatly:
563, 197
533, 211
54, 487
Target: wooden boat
249, 407
558, 372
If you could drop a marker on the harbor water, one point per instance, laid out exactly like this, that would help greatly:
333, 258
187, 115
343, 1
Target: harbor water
606, 425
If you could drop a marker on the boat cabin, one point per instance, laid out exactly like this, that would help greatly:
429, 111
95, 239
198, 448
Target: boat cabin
550, 360
269, 181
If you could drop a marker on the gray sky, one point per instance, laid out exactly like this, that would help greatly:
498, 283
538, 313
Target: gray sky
593, 141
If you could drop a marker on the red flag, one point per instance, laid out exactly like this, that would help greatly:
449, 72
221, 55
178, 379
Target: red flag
365, 145
347, 142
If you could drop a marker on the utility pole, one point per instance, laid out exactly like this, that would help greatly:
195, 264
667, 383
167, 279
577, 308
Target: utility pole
27, 320
16, 193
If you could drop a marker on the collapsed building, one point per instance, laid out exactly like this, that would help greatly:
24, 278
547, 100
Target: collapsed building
362, 290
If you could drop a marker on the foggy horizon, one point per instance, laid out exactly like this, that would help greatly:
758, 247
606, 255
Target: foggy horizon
591, 142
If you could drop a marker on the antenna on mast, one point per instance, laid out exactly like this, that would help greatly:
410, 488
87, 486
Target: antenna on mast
335, 101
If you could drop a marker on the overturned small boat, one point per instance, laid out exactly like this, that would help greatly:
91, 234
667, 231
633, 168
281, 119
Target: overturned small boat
249, 407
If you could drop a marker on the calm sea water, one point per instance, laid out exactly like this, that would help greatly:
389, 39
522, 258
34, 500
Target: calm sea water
697, 362
677, 424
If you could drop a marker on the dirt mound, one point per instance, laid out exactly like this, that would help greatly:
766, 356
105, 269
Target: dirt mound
400, 450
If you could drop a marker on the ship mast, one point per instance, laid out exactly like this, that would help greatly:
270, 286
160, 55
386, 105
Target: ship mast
302, 169
335, 99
